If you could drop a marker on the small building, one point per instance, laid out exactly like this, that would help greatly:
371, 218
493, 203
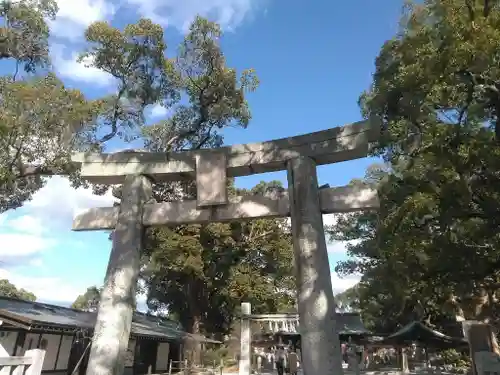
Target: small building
66, 335
422, 335
349, 325
285, 328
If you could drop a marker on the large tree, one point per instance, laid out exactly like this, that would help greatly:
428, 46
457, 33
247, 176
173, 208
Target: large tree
8, 289
43, 122
203, 96
37, 113
88, 301
433, 248
201, 273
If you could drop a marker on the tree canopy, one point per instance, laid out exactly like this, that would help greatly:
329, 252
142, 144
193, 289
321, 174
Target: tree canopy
43, 122
198, 272
8, 289
201, 273
432, 251
89, 300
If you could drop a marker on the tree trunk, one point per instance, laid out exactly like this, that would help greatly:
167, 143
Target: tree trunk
193, 348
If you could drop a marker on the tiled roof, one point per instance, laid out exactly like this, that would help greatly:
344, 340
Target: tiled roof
28, 314
350, 324
419, 332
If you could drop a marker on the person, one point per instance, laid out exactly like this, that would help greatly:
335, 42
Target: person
268, 356
273, 356
280, 360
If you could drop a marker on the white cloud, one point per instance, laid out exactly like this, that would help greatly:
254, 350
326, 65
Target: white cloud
24, 238
57, 202
340, 246
336, 247
17, 245
75, 16
179, 14
3, 219
341, 284
69, 67
157, 111
37, 262
44, 288
51, 211
329, 219
26, 224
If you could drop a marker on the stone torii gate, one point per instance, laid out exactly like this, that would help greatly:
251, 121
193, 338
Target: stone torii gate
305, 203
277, 323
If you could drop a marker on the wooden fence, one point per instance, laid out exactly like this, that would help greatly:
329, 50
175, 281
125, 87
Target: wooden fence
29, 364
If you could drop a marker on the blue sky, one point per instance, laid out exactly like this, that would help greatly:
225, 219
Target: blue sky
313, 60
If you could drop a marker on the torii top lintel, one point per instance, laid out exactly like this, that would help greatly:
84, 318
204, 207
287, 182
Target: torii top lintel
327, 146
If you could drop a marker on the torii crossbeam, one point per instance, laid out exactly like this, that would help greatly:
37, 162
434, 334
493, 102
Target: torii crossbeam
305, 203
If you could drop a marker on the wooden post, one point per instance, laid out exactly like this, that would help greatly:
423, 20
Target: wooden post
116, 308
16, 365
320, 341
37, 356
404, 360
245, 339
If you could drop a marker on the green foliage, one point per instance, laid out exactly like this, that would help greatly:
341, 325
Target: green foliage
200, 273
40, 119
42, 122
37, 117
214, 92
24, 35
135, 57
431, 252
214, 357
89, 300
203, 272
348, 300
452, 357
9, 290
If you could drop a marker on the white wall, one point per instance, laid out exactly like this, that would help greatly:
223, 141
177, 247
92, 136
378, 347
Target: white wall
162, 356
7, 342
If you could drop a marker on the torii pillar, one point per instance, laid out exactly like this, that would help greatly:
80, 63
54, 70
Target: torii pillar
321, 353
117, 303
245, 340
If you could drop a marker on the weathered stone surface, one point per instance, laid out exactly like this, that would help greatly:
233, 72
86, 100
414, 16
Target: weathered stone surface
245, 340
316, 306
327, 146
114, 318
333, 200
211, 184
